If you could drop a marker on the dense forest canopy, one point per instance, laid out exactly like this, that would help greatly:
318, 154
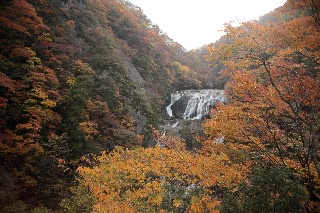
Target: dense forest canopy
83, 84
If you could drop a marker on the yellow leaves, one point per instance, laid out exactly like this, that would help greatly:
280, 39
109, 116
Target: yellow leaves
71, 81
171, 76
38, 93
184, 72
177, 203
33, 59
140, 178
244, 50
223, 53
45, 36
48, 103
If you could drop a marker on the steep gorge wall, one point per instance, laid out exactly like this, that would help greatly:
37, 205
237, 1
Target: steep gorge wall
136, 65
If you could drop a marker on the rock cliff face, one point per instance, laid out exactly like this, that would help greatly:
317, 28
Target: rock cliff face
179, 106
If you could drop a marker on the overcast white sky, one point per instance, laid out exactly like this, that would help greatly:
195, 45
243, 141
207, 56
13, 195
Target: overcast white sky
194, 23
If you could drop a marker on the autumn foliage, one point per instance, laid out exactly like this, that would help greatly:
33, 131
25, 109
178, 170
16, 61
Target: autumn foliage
82, 77
158, 179
76, 77
274, 94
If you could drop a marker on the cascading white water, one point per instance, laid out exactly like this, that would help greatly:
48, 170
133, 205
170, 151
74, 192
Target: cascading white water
199, 102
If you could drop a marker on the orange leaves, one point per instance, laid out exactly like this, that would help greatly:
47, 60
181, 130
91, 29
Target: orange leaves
297, 86
81, 68
141, 178
29, 104
89, 129
168, 141
70, 24
204, 204
273, 109
226, 121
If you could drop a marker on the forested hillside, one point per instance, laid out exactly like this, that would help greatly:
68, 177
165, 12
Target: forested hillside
78, 77
82, 88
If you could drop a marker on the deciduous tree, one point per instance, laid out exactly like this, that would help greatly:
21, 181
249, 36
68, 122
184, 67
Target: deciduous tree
156, 179
273, 98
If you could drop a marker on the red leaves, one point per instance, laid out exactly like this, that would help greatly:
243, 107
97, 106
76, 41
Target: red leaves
103, 126
21, 17
6, 82
20, 53
11, 28
18, 21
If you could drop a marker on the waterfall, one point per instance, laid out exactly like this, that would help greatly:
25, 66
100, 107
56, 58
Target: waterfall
186, 111
194, 104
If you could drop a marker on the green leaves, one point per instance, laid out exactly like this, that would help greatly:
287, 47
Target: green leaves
269, 189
